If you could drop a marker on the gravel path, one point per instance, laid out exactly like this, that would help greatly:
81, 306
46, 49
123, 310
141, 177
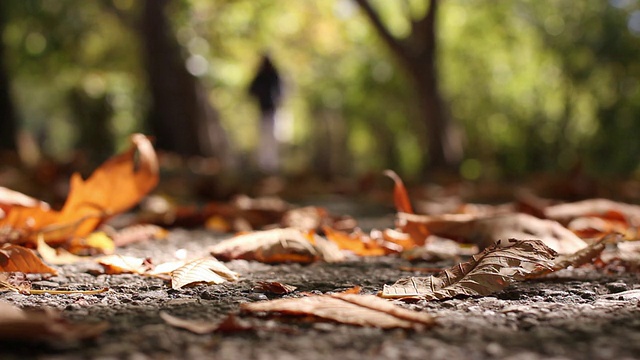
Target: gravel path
569, 315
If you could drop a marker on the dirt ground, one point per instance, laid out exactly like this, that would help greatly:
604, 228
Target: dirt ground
573, 314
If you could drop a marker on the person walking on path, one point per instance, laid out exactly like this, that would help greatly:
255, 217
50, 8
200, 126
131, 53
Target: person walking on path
266, 88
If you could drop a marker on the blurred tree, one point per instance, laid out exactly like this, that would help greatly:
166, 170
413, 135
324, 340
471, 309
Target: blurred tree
417, 54
181, 116
7, 114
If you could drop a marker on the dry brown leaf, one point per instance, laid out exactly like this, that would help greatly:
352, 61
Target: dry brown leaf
208, 270
596, 226
181, 273
15, 258
351, 309
579, 258
277, 245
484, 231
605, 208
33, 326
114, 187
486, 273
195, 326
274, 287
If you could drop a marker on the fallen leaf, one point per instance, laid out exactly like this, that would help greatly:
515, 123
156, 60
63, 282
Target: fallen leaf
351, 309
58, 256
400, 194
566, 212
119, 264
98, 242
207, 270
438, 248
195, 326
274, 287
114, 187
231, 323
10, 198
356, 242
277, 245
583, 256
484, 231
305, 218
596, 226
33, 326
15, 258
138, 233
486, 273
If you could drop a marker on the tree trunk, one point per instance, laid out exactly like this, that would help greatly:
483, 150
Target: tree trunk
444, 147
417, 55
7, 113
181, 117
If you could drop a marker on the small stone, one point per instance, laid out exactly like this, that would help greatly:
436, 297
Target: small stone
589, 295
617, 286
258, 297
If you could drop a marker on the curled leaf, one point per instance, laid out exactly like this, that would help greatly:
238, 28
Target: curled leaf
486, 273
207, 270
400, 194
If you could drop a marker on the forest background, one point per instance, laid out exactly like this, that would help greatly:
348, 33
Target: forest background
517, 87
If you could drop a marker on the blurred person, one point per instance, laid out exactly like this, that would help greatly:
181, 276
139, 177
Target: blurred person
266, 88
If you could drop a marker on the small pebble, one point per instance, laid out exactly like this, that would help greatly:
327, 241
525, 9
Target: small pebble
258, 296
615, 287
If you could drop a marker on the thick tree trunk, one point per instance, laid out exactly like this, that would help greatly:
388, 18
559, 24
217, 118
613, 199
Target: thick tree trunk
7, 114
181, 117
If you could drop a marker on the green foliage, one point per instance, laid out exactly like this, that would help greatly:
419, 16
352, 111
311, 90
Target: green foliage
534, 85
